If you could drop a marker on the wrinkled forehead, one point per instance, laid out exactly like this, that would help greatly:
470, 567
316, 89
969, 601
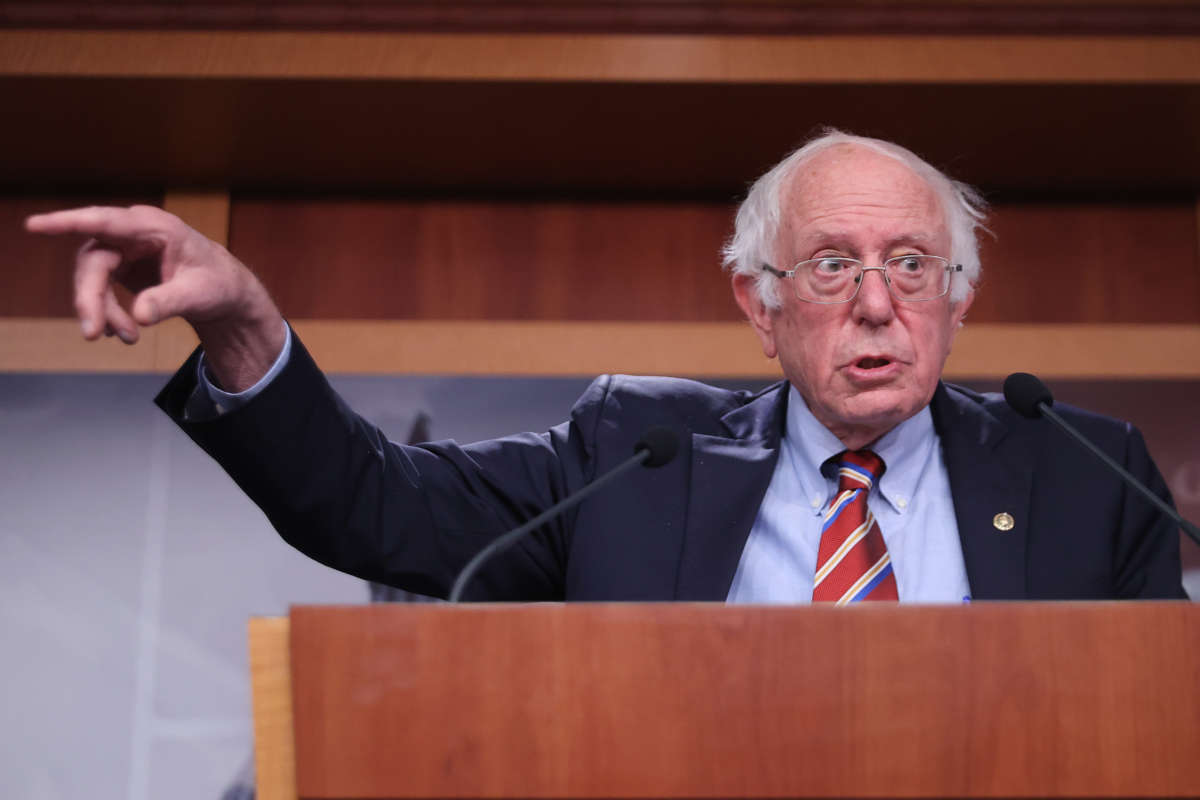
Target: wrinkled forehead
867, 198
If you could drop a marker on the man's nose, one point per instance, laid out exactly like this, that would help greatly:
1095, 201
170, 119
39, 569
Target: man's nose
873, 303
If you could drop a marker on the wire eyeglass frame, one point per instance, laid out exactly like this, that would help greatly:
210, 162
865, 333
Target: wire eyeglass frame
863, 269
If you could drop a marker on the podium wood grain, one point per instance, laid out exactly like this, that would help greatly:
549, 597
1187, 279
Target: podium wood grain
1006, 700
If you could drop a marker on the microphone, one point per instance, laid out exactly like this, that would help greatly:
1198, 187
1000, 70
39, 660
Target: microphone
656, 448
1029, 397
1025, 393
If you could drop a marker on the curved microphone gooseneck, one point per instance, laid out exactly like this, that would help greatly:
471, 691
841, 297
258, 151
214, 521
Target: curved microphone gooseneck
1029, 397
657, 447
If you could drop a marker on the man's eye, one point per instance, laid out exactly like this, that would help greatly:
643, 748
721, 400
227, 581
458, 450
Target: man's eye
909, 264
830, 266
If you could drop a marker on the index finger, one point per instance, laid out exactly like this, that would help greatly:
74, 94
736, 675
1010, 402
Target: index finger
100, 222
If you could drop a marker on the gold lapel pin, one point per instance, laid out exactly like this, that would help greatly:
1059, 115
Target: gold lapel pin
1003, 521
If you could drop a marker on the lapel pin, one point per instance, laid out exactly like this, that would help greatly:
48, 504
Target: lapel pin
1003, 521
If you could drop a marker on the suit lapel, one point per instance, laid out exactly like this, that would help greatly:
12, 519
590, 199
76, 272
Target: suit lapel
729, 476
991, 474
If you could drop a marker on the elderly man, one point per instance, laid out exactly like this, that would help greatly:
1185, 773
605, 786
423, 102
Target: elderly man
862, 477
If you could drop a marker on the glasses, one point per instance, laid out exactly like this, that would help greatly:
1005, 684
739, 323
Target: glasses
831, 280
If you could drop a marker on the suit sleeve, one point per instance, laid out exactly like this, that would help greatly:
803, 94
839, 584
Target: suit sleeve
335, 488
1147, 563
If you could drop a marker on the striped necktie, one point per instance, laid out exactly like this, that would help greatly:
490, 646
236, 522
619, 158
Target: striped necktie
852, 561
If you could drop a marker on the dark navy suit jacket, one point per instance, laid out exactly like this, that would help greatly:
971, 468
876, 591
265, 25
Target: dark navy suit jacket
411, 516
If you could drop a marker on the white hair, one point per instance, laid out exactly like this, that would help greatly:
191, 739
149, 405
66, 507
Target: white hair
757, 223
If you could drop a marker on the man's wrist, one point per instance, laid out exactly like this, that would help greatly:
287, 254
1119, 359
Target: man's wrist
239, 354
227, 400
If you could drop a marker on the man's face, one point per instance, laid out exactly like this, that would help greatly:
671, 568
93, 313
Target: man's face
867, 365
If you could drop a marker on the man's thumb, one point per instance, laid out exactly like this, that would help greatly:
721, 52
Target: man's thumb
153, 305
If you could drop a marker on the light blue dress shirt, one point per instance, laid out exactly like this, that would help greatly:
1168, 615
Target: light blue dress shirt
912, 503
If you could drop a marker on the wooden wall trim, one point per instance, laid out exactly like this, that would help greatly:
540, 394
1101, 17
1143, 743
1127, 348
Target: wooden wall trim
630, 16
575, 348
29, 344
584, 57
1077, 351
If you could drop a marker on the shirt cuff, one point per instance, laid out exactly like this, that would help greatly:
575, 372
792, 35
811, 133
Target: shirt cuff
227, 401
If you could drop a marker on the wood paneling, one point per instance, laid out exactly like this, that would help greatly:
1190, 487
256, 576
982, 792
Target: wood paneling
541, 130
650, 139
1091, 263
886, 59
725, 349
35, 276
539, 348
1076, 351
347, 259
205, 210
697, 349
456, 260
571, 261
56, 345
652, 113
688, 700
643, 16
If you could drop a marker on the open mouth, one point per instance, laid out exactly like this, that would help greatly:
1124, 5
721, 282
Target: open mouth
872, 363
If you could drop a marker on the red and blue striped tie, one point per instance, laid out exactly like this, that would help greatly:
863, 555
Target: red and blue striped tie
852, 560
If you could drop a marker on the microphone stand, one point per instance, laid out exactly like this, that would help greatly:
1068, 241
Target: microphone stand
1191, 530
504, 542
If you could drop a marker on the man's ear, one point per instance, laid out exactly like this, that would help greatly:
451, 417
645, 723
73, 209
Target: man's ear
761, 319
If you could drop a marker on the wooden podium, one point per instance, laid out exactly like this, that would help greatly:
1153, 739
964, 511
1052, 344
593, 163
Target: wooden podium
697, 700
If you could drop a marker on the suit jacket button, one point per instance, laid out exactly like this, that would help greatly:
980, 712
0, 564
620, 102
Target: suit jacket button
1003, 521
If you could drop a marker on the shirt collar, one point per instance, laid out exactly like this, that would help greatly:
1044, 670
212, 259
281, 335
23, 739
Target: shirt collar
905, 450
